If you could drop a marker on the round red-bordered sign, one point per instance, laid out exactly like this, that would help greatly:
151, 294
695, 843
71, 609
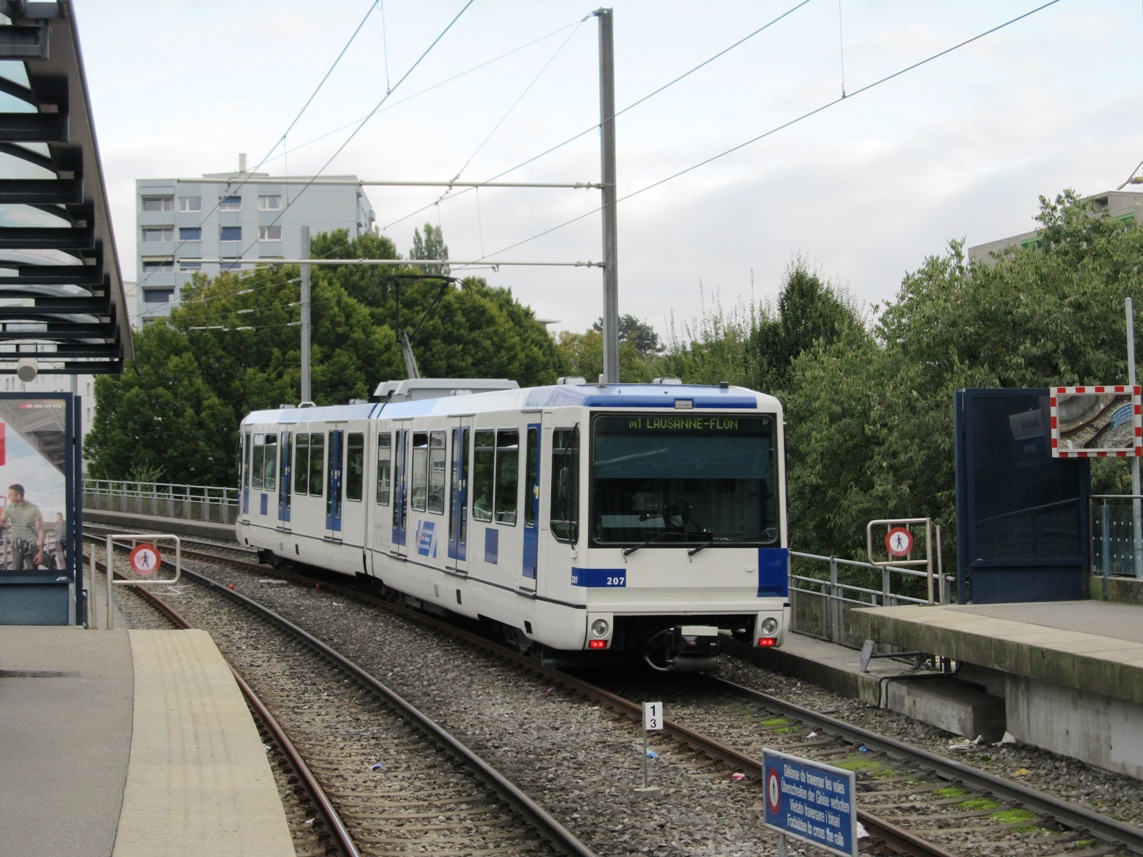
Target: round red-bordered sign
773, 791
145, 559
899, 542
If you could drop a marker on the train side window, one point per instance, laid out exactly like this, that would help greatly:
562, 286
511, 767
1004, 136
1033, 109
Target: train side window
507, 474
419, 471
317, 464
244, 464
302, 463
483, 462
565, 485
270, 462
531, 464
437, 472
384, 456
355, 466
258, 463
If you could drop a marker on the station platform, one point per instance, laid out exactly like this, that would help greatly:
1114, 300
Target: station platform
130, 743
1066, 676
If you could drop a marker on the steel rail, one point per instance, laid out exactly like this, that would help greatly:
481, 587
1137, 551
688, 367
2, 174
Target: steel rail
1066, 812
342, 839
897, 839
547, 825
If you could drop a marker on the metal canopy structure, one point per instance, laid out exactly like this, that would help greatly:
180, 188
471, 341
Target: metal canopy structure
62, 307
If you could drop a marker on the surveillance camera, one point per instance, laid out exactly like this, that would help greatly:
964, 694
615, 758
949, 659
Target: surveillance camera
26, 369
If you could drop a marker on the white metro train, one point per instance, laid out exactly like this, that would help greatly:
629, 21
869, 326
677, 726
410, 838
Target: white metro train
590, 518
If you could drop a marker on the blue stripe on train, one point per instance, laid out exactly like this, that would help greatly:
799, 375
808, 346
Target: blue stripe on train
773, 572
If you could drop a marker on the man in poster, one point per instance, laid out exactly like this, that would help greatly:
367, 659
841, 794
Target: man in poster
26, 527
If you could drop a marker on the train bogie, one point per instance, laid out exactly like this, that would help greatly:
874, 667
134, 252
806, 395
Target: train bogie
640, 518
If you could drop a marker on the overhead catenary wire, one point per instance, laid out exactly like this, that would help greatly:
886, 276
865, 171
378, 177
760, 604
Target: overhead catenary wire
286, 133
781, 127
359, 126
629, 107
370, 115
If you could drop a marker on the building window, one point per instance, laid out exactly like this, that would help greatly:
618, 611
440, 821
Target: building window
158, 296
270, 203
190, 233
190, 264
158, 265
158, 233
230, 265
270, 233
230, 233
230, 203
190, 203
158, 203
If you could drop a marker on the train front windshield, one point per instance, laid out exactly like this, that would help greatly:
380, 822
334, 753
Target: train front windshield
659, 480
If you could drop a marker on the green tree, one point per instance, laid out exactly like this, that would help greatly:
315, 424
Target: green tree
431, 246
582, 355
637, 332
160, 417
233, 346
809, 311
716, 346
870, 422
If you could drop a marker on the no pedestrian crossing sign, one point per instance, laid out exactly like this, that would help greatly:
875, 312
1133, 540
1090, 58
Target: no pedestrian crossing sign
812, 802
899, 542
145, 559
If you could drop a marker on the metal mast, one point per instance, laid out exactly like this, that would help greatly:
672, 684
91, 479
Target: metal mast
610, 230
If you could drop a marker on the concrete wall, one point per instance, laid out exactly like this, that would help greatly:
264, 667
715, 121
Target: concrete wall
1102, 731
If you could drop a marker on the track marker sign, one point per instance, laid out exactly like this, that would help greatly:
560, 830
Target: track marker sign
810, 801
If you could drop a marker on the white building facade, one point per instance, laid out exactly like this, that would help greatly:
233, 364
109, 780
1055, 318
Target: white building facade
227, 221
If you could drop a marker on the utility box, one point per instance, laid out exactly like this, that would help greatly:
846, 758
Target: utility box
1022, 515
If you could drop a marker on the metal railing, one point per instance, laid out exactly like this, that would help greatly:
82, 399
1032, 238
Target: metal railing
821, 596
205, 503
1116, 534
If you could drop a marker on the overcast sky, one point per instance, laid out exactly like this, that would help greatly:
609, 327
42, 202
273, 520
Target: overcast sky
864, 189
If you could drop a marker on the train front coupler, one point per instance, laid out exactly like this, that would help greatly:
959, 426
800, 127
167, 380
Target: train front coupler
683, 648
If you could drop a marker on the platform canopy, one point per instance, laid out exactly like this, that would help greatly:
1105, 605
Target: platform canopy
62, 306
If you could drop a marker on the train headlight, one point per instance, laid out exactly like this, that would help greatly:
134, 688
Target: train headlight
770, 626
600, 627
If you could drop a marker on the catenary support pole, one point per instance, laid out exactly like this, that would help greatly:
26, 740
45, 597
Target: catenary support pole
610, 228
305, 302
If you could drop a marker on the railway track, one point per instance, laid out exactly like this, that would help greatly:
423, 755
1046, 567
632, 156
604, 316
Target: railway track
950, 808
413, 786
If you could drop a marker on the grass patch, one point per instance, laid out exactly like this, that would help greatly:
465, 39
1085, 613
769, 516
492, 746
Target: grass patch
1015, 816
861, 764
950, 792
979, 803
775, 723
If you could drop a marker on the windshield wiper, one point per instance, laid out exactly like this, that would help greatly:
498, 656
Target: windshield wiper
697, 548
630, 550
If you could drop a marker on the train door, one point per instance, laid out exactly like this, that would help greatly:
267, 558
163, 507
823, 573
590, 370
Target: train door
285, 482
383, 493
334, 443
531, 508
458, 497
400, 493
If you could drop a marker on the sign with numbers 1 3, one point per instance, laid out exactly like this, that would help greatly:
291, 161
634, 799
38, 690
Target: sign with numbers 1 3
653, 716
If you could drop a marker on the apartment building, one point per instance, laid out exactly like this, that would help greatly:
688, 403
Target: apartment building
228, 221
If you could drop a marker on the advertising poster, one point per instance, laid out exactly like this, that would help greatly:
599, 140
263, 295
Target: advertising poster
33, 486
